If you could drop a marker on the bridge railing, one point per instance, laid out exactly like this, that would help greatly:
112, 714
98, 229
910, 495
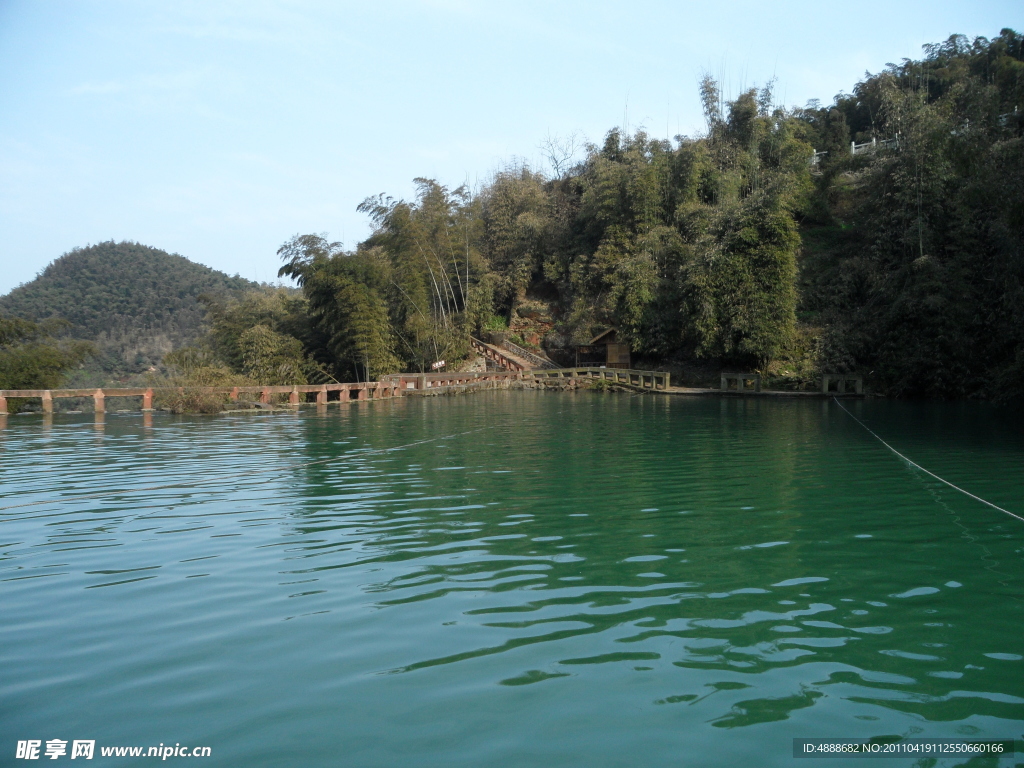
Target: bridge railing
537, 360
420, 381
295, 392
392, 385
495, 355
656, 380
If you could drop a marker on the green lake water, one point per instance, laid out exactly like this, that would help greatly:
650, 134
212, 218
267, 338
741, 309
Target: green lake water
513, 579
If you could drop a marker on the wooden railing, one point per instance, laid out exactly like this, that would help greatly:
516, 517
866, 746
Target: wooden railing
495, 355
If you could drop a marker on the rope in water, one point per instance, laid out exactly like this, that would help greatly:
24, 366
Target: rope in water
927, 472
222, 478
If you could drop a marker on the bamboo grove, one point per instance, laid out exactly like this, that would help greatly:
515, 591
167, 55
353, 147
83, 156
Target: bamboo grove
764, 242
691, 246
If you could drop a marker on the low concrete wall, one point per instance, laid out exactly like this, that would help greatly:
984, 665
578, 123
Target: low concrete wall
654, 380
845, 383
740, 379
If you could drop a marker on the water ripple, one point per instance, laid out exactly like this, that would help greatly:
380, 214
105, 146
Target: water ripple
633, 576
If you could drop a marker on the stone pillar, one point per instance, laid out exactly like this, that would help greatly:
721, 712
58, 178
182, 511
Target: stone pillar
234, 394
97, 401
147, 400
265, 396
3, 405
724, 383
824, 383
47, 401
361, 393
421, 381
321, 395
293, 396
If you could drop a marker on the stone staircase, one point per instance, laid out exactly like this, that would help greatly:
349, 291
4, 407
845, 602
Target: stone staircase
536, 362
510, 357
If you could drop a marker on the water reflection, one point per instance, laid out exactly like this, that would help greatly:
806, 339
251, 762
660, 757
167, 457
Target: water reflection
719, 566
683, 531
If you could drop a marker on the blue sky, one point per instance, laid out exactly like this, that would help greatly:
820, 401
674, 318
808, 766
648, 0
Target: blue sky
219, 130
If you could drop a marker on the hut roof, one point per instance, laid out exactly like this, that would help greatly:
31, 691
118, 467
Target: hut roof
605, 337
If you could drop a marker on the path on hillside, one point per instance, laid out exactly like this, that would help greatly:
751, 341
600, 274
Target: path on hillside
519, 360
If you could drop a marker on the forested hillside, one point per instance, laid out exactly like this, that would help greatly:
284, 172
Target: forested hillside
133, 302
914, 248
880, 234
687, 249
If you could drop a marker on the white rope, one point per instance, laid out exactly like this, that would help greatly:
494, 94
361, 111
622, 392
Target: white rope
927, 472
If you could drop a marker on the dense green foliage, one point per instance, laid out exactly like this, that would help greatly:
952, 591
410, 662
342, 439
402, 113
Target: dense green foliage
409, 295
916, 257
690, 247
134, 302
902, 259
33, 357
263, 336
883, 233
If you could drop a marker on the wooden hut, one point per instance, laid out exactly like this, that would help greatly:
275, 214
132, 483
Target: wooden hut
604, 350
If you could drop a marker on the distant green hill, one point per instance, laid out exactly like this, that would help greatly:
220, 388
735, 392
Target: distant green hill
134, 302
